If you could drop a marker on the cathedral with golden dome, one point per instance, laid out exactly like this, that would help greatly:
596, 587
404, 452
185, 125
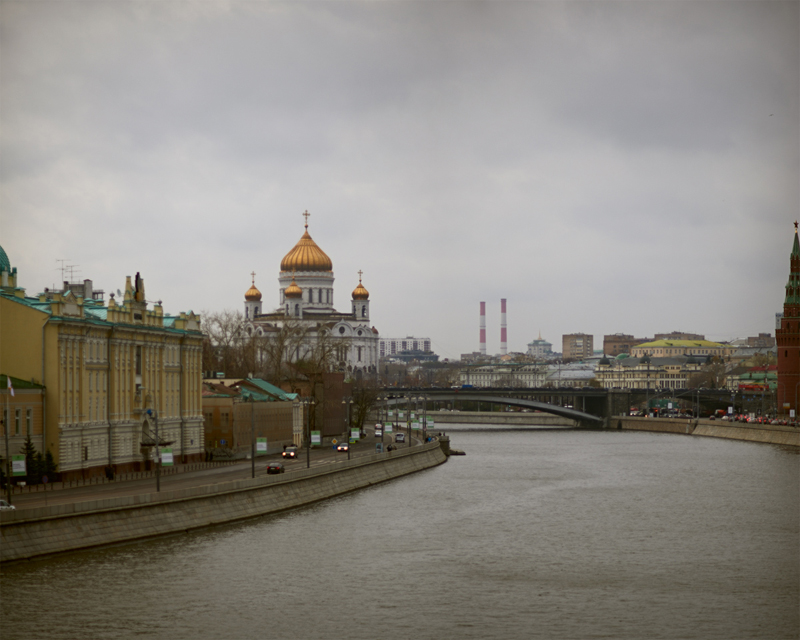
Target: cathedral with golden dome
346, 341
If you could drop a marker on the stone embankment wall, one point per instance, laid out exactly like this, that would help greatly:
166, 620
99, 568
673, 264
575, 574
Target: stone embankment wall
763, 433
509, 418
28, 533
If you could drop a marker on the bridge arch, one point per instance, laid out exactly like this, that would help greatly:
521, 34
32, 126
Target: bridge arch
572, 414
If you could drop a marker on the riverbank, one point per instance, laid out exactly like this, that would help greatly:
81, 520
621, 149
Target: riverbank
749, 432
510, 418
31, 533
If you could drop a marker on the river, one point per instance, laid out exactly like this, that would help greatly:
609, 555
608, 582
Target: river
532, 534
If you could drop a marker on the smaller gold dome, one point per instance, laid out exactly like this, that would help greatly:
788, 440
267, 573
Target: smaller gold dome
360, 292
293, 291
253, 294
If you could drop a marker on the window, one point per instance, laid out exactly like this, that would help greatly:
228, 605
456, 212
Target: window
29, 421
138, 360
17, 420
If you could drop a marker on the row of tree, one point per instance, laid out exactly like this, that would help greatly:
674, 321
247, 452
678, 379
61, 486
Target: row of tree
37, 466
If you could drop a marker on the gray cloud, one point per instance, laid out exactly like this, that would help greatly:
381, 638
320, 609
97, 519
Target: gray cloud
604, 166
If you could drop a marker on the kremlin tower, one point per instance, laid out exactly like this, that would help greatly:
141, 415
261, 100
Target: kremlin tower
787, 336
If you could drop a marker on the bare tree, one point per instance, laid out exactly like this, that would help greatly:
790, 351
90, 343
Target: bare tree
365, 397
225, 343
710, 376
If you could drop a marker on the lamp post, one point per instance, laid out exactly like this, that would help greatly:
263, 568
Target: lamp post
347, 402
252, 436
424, 418
309, 403
382, 415
154, 415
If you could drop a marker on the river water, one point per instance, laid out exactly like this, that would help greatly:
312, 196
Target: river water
532, 534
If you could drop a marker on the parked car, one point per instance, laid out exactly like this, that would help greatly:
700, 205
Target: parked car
343, 446
275, 467
399, 437
4, 505
290, 452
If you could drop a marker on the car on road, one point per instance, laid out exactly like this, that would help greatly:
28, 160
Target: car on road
399, 437
343, 446
4, 505
378, 433
275, 467
290, 452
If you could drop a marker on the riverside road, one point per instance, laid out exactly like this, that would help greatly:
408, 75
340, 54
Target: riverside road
177, 478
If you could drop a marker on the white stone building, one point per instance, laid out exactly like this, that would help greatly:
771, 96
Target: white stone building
306, 298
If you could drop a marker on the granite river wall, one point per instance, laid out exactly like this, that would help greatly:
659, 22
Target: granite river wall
30, 533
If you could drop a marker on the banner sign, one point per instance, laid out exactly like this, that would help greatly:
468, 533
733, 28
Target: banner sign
166, 457
316, 437
261, 445
400, 415
387, 427
415, 425
18, 466
391, 413
429, 422
355, 434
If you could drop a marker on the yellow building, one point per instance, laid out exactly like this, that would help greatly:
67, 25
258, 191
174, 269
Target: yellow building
109, 372
672, 348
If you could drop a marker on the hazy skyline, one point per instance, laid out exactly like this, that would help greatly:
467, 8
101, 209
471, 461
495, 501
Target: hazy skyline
604, 166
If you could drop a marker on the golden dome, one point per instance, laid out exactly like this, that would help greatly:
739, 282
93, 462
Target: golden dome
306, 255
253, 294
360, 292
293, 291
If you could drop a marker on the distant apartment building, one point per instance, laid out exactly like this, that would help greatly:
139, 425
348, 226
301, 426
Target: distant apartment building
761, 341
618, 343
577, 346
389, 347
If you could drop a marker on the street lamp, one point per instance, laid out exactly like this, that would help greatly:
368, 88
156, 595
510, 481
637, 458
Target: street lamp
308, 403
251, 399
154, 415
347, 402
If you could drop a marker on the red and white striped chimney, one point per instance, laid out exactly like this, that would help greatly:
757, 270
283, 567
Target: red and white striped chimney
503, 335
483, 329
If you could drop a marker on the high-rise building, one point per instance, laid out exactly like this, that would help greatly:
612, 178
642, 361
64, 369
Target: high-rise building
787, 336
577, 346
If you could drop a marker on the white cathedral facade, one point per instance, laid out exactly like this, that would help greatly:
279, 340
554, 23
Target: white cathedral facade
306, 301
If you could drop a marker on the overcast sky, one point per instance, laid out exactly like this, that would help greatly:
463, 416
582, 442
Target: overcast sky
605, 166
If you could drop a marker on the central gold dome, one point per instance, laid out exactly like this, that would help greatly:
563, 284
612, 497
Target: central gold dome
306, 256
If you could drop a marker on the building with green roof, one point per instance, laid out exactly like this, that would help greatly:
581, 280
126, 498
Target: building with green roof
111, 372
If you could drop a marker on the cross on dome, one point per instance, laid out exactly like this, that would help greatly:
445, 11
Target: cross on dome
305, 215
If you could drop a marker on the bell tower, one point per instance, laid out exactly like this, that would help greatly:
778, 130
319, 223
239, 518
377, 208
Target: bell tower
787, 336
361, 301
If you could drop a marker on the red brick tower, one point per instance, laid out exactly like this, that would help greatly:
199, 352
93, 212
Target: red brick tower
787, 336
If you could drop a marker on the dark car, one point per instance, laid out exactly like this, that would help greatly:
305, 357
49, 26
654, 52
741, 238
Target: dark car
275, 467
343, 446
290, 452
399, 437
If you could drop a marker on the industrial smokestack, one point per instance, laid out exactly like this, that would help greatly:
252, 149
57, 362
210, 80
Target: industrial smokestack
483, 329
503, 336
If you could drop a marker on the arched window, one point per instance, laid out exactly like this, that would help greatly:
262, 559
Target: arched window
364, 311
297, 309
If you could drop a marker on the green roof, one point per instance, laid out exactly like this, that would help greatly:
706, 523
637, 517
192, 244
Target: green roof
5, 263
18, 383
271, 389
679, 343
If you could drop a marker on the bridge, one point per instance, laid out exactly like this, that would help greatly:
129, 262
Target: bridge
588, 407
